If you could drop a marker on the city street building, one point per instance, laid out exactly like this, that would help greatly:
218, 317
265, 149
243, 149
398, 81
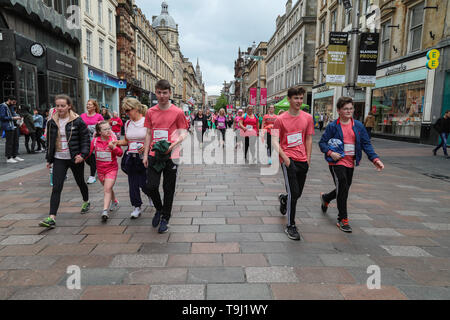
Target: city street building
290, 51
99, 51
257, 70
39, 54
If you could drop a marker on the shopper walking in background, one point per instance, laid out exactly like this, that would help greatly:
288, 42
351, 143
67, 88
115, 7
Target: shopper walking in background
442, 126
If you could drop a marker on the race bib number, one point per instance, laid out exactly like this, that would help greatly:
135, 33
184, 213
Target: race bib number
103, 156
114, 123
64, 145
221, 125
160, 135
349, 149
198, 124
249, 127
133, 148
294, 139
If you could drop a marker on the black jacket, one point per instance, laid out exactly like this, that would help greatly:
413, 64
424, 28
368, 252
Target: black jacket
77, 135
204, 121
28, 120
442, 125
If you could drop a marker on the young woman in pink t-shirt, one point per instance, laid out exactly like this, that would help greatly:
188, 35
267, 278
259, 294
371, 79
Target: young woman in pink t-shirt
249, 125
106, 151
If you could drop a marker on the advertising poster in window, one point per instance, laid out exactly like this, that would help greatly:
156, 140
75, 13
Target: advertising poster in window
368, 56
337, 58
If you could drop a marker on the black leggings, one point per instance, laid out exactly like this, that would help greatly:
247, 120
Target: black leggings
269, 144
31, 136
92, 164
294, 179
223, 133
60, 168
342, 177
250, 143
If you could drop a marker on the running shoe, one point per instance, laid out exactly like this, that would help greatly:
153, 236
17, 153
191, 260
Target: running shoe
156, 219
48, 223
292, 233
91, 180
105, 215
270, 161
11, 161
18, 159
85, 207
344, 226
114, 205
283, 203
164, 226
136, 213
323, 204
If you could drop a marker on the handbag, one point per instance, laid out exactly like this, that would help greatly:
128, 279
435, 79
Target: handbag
123, 162
24, 130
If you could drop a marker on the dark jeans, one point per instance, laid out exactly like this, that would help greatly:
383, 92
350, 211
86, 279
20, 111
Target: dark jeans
342, 177
443, 144
169, 184
137, 181
320, 125
294, 179
31, 136
39, 141
12, 143
369, 132
60, 168
269, 144
92, 164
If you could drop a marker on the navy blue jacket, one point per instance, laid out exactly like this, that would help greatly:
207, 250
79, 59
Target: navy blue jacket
6, 114
334, 130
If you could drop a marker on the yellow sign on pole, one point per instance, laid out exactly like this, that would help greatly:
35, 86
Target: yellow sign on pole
433, 59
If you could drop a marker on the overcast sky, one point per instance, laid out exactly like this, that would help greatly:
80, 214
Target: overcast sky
213, 30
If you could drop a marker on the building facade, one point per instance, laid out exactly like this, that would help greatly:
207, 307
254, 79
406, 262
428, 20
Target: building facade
290, 52
99, 53
39, 56
257, 71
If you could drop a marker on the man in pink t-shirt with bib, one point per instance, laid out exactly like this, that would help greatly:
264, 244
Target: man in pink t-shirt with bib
167, 122
292, 136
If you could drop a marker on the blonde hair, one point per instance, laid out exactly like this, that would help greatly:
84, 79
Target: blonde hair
134, 104
222, 110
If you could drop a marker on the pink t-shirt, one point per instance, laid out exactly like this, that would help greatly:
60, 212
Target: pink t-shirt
91, 121
251, 124
269, 121
221, 122
349, 146
106, 159
237, 119
164, 125
292, 132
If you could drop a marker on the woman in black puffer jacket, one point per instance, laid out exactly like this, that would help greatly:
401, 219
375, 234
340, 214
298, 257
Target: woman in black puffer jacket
68, 145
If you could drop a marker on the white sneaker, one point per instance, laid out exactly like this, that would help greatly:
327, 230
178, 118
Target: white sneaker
114, 205
11, 160
18, 159
105, 215
91, 180
136, 213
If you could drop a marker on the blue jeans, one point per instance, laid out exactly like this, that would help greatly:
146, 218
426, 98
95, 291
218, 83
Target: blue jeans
443, 144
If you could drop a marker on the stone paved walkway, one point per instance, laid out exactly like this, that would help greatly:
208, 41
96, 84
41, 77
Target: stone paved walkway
226, 239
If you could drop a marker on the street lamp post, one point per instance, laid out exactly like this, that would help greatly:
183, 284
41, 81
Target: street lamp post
354, 50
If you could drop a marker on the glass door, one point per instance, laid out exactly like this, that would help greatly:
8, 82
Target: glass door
27, 85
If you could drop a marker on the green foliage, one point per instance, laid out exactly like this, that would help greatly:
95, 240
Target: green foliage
222, 102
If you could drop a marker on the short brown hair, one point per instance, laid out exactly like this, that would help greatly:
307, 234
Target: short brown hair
95, 103
64, 97
342, 101
296, 91
163, 85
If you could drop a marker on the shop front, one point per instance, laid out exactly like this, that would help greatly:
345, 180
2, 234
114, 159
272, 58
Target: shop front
399, 101
323, 103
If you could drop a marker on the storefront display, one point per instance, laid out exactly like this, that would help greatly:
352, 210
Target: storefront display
399, 109
59, 83
324, 106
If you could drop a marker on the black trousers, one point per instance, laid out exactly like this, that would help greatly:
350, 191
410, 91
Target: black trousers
92, 164
342, 177
60, 168
269, 144
12, 143
320, 125
40, 143
250, 143
31, 136
294, 179
223, 133
369, 131
169, 183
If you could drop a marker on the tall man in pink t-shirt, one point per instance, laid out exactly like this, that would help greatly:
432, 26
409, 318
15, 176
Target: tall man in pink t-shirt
292, 137
167, 122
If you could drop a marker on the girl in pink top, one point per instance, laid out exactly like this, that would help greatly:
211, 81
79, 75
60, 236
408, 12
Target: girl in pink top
106, 152
249, 125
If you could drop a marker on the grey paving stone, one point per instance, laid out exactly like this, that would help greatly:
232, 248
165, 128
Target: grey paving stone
216, 275
425, 293
406, 251
410, 213
389, 276
157, 276
271, 274
274, 237
389, 232
151, 248
183, 228
220, 228
14, 240
346, 260
294, 259
99, 277
19, 216
27, 262
139, 261
425, 200
177, 292
62, 239
233, 237
47, 293
262, 247
223, 214
262, 228
238, 292
208, 221
438, 226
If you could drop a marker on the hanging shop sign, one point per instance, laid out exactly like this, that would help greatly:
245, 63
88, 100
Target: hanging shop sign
368, 57
337, 59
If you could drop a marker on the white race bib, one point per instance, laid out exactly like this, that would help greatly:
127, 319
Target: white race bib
249, 127
160, 135
349, 149
294, 139
114, 123
134, 147
103, 156
64, 146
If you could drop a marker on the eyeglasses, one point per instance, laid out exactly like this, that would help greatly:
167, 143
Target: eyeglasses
106, 129
348, 109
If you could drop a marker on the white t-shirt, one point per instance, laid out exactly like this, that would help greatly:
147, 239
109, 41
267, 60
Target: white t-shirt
135, 133
64, 154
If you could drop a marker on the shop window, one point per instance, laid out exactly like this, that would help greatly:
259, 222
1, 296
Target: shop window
324, 106
26, 77
399, 109
58, 84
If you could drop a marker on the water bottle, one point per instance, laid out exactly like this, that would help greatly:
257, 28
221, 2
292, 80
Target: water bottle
51, 177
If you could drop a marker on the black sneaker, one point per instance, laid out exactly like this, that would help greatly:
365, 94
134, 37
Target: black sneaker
48, 223
164, 226
323, 204
292, 233
156, 219
344, 226
283, 203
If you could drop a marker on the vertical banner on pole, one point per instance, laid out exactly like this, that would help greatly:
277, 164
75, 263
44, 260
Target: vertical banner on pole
263, 98
337, 58
253, 94
368, 56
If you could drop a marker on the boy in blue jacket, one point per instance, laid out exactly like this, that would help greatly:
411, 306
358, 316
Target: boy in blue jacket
355, 139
